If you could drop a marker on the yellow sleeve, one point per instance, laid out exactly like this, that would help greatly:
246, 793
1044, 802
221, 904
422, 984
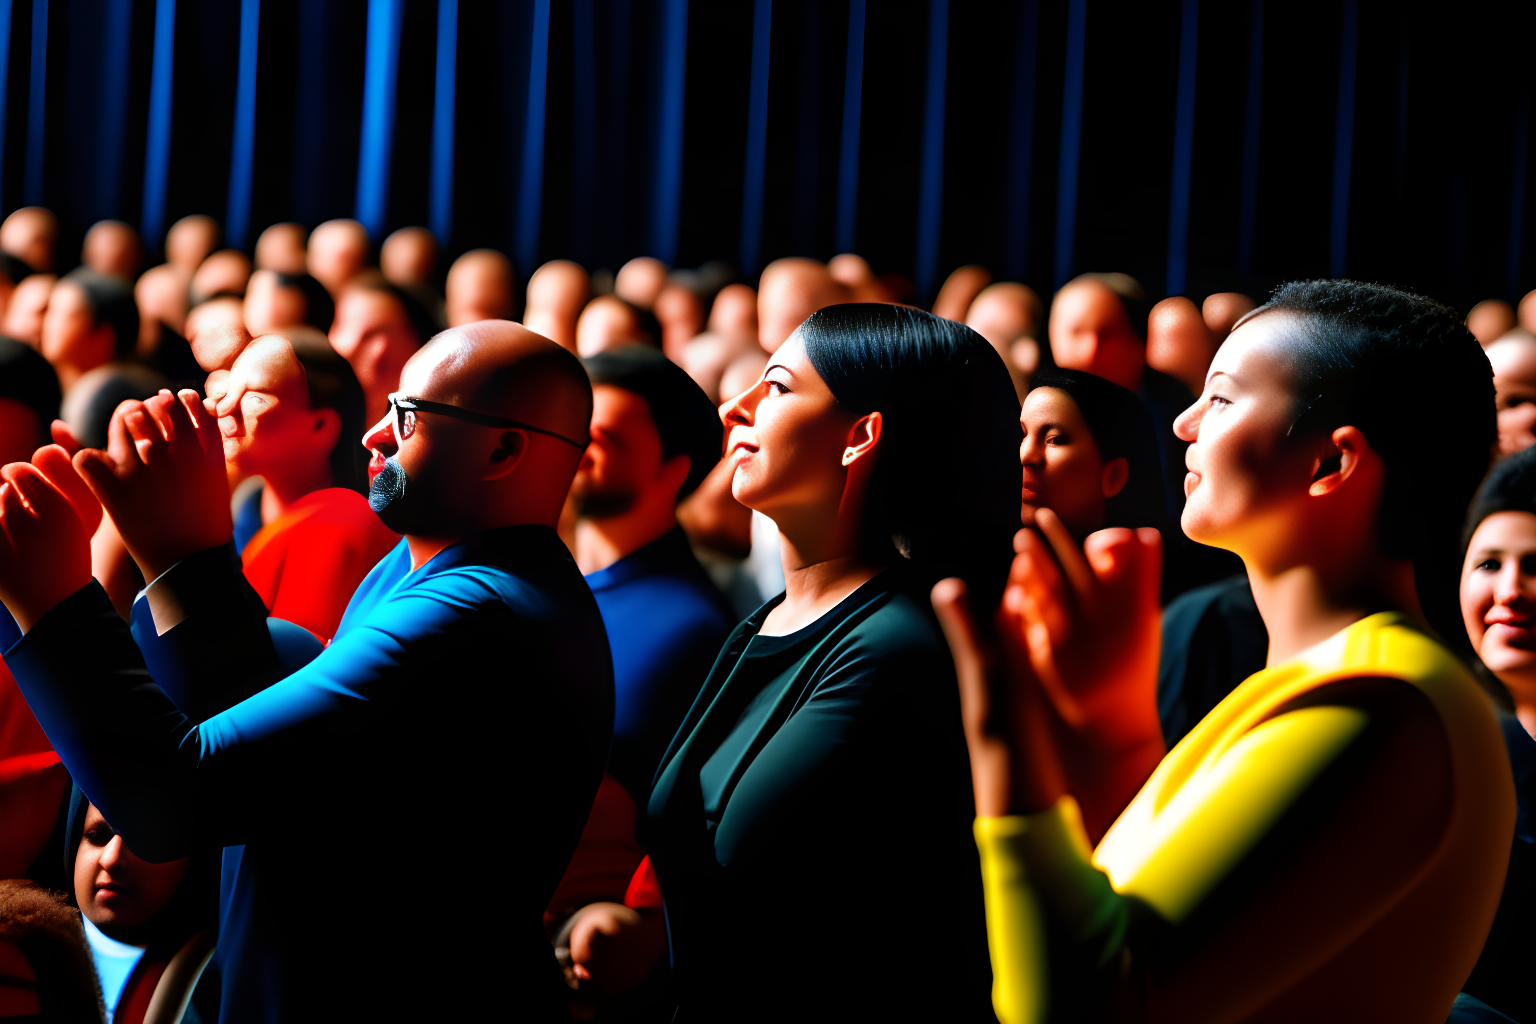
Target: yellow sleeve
1172, 855
1025, 860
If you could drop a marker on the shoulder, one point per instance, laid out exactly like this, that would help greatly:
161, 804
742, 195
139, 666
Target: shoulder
894, 631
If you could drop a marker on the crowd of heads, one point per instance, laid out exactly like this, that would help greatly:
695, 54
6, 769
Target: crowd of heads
991, 407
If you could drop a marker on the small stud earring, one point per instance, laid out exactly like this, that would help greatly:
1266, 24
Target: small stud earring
849, 455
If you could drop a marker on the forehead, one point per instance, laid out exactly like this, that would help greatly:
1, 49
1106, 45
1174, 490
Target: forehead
1507, 530
268, 364
1513, 359
1259, 353
1051, 405
368, 303
613, 404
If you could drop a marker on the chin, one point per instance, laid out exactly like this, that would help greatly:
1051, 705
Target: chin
1502, 660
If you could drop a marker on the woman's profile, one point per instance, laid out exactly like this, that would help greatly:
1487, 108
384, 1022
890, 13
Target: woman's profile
809, 822
1330, 841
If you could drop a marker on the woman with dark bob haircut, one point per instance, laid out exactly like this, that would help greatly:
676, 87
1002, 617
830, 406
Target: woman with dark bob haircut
1330, 841
810, 821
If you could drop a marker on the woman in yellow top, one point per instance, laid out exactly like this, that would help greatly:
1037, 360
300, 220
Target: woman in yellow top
1329, 843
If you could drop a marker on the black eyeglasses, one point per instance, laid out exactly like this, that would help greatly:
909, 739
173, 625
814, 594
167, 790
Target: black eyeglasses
405, 409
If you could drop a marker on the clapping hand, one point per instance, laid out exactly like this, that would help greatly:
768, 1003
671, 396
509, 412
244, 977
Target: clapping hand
1060, 696
45, 548
162, 479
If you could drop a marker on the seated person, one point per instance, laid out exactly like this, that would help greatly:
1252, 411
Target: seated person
1498, 606
91, 321
680, 314
189, 241
790, 290
113, 248
293, 416
27, 307
29, 234
275, 300
609, 322
1008, 315
338, 252
408, 258
151, 927
377, 328
1490, 319
216, 331
557, 291
655, 436
481, 286
1330, 842
640, 281
224, 273
282, 248
1089, 455
408, 715
1513, 356
959, 290
45, 964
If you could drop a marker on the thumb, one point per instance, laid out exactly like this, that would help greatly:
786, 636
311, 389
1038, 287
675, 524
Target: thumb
64, 437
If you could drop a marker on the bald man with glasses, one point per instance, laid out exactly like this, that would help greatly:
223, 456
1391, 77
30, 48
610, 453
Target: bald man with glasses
407, 800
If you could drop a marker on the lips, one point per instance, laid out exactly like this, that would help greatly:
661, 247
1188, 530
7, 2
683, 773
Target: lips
1191, 481
375, 465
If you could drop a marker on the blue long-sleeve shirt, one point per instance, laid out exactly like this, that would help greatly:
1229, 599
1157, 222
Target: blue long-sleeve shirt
407, 800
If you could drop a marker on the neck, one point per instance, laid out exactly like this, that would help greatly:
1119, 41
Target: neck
290, 483
601, 542
1303, 605
424, 549
815, 580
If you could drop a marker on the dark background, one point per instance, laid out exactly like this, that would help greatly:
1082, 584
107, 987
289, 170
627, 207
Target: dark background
1433, 190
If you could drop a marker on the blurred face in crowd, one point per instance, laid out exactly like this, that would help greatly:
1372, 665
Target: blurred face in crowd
190, 240
271, 307
374, 335
1246, 475
408, 257
785, 437
479, 287
338, 251
72, 340
117, 891
262, 404
112, 247
1514, 382
1498, 600
624, 458
1063, 470
24, 313
1090, 331
30, 234
281, 248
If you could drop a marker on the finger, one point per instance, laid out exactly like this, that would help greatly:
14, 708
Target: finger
64, 437
1073, 564
160, 408
44, 499
54, 463
1151, 563
952, 606
205, 423
149, 441
182, 429
1040, 592
121, 450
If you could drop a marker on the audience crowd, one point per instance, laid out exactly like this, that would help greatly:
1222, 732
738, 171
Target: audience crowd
390, 640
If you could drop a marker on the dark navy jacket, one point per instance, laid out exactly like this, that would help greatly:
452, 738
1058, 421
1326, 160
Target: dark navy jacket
407, 801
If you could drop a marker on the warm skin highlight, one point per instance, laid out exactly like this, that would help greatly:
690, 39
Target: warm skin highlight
803, 461
117, 891
1063, 470
1498, 604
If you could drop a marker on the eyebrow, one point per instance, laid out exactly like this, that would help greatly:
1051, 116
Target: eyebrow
777, 366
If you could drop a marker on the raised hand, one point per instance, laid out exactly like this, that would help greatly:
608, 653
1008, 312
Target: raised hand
162, 479
1015, 768
45, 551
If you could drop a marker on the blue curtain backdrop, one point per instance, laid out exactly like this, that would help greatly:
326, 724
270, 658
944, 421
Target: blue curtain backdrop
1384, 141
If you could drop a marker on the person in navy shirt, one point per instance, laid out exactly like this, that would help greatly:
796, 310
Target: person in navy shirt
368, 785
655, 436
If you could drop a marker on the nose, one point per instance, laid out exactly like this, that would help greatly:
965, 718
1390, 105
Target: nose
740, 411
1187, 426
381, 436
1031, 452
112, 853
1511, 583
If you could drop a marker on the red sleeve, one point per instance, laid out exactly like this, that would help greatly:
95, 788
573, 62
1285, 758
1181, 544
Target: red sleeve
644, 888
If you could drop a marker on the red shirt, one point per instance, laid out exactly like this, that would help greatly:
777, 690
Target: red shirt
307, 563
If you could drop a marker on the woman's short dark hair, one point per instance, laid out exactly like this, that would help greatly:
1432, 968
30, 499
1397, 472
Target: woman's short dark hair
1407, 373
1121, 428
319, 307
333, 385
945, 490
1510, 487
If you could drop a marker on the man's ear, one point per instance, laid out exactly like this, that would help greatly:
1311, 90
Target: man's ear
1116, 472
325, 427
674, 471
1337, 460
514, 445
862, 437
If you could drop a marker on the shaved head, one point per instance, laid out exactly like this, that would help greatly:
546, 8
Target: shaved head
282, 248
504, 369
30, 234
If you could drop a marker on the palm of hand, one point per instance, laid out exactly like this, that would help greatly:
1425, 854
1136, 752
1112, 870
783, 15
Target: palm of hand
1087, 623
45, 551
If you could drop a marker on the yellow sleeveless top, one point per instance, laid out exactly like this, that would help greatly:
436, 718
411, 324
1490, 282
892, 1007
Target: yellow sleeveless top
1214, 798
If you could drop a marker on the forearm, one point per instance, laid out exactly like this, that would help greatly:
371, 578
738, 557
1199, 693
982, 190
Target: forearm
122, 739
203, 632
1035, 869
